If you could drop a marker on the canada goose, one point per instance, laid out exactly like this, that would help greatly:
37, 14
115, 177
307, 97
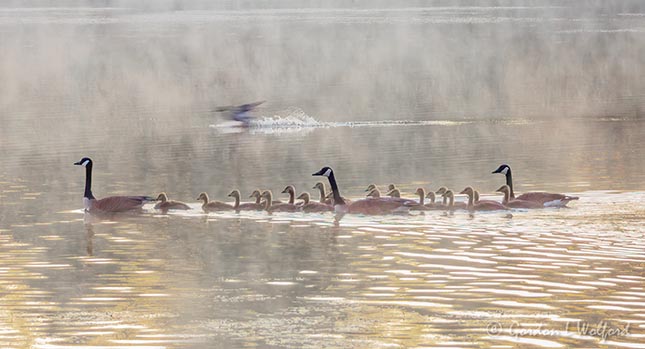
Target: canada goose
166, 204
371, 187
323, 193
329, 199
240, 113
430, 196
432, 205
269, 206
396, 194
312, 206
546, 199
257, 194
374, 193
441, 191
247, 206
210, 206
444, 203
516, 203
110, 204
448, 198
365, 206
476, 198
420, 206
289, 189
489, 205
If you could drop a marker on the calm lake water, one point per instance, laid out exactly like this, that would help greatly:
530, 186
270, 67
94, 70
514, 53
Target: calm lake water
406, 94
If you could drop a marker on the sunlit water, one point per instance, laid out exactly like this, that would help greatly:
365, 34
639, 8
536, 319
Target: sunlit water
194, 280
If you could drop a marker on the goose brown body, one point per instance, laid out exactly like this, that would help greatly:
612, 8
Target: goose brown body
257, 194
166, 204
312, 206
420, 206
516, 203
247, 206
476, 199
450, 206
269, 206
112, 204
488, 205
544, 198
396, 194
369, 206
432, 205
212, 206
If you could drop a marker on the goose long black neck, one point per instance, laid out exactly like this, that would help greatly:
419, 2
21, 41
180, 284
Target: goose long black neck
509, 182
338, 200
88, 182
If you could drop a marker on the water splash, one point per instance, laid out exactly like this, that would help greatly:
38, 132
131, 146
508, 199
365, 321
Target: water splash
295, 119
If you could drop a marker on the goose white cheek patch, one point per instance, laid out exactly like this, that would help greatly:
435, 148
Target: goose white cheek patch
84, 163
327, 173
505, 170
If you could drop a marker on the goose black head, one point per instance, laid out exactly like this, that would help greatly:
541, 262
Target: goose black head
84, 162
325, 171
503, 169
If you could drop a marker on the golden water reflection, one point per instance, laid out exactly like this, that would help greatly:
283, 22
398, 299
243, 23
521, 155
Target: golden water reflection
291, 280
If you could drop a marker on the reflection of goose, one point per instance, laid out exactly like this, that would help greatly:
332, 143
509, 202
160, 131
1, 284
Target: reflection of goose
166, 204
312, 206
210, 206
110, 204
247, 206
546, 199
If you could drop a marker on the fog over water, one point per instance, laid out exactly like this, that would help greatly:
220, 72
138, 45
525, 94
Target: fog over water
417, 93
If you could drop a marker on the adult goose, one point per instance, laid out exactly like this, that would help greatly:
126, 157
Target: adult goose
112, 204
369, 206
546, 199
